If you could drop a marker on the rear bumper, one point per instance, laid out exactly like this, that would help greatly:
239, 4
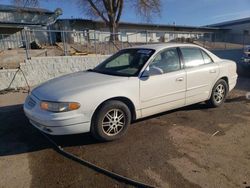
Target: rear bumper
233, 82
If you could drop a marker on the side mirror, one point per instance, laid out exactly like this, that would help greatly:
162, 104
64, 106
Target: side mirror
150, 71
146, 73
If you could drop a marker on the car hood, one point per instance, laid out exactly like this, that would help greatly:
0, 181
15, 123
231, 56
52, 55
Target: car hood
72, 84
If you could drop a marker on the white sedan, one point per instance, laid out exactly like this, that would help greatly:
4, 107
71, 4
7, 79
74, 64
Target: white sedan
134, 83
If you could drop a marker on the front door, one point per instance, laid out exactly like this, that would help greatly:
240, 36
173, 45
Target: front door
165, 84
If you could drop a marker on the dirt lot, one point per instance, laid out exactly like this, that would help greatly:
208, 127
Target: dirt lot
173, 149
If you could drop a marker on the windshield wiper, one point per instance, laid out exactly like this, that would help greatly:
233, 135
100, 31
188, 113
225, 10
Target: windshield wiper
91, 70
108, 73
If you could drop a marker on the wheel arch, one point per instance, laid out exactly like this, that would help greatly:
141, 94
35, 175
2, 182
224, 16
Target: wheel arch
225, 78
125, 100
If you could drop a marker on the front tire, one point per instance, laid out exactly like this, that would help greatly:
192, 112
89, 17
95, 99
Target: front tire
219, 94
111, 121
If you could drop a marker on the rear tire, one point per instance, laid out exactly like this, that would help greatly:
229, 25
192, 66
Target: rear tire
219, 94
110, 121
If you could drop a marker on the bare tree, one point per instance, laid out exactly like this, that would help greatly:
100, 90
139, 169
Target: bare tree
148, 8
110, 11
26, 3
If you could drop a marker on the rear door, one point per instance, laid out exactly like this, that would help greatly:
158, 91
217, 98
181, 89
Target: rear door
202, 73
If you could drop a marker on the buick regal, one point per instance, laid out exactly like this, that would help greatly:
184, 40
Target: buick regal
134, 83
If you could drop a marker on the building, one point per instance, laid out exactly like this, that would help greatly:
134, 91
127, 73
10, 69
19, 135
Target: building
132, 32
19, 26
237, 31
14, 19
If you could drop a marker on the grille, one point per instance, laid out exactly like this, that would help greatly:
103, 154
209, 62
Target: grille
31, 102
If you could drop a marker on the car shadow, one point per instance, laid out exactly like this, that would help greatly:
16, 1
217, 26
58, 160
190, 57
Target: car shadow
18, 136
198, 106
237, 99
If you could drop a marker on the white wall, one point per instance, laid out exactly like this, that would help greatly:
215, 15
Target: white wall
41, 69
132, 36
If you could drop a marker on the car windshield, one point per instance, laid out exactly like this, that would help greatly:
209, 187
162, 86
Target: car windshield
127, 62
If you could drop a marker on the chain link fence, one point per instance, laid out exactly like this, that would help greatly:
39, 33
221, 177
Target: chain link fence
30, 43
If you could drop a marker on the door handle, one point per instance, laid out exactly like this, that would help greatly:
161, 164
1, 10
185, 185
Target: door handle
212, 71
179, 79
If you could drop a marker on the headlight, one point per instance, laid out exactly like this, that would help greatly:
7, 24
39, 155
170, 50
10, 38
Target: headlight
59, 106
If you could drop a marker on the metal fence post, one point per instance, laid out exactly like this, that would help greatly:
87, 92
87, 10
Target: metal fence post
204, 40
95, 42
225, 41
121, 40
50, 35
26, 43
82, 38
109, 44
136, 37
3, 41
243, 38
64, 44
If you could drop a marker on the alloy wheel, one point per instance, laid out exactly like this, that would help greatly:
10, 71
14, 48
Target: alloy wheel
219, 93
113, 122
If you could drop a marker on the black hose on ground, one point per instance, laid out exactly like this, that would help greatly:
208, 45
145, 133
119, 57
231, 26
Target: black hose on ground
104, 171
71, 156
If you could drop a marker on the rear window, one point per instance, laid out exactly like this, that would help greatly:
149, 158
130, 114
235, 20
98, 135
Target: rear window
192, 57
206, 57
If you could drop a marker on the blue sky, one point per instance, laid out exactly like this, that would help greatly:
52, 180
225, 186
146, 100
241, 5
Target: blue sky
182, 12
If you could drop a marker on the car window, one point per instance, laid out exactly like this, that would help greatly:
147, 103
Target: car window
192, 57
206, 57
122, 60
127, 62
166, 61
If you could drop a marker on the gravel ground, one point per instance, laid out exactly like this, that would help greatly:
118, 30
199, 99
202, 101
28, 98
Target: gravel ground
172, 149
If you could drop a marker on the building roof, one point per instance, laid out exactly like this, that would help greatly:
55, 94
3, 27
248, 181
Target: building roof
37, 16
11, 8
146, 26
230, 23
17, 24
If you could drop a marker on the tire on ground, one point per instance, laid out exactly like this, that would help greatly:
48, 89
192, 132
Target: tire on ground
97, 129
212, 101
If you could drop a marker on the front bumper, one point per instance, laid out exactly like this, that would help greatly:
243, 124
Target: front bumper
63, 123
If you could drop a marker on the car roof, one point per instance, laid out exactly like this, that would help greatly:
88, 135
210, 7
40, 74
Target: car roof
158, 47
161, 46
